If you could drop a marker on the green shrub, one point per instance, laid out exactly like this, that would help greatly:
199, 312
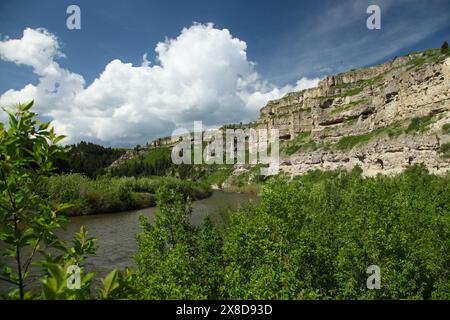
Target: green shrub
311, 238
445, 150
444, 47
420, 124
177, 260
113, 194
348, 142
29, 149
315, 238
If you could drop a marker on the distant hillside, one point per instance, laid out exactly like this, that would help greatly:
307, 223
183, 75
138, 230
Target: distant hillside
89, 159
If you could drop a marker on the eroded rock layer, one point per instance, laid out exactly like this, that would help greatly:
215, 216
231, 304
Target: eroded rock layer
383, 118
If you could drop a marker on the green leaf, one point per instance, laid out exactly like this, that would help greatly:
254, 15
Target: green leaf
26, 106
58, 139
44, 126
110, 283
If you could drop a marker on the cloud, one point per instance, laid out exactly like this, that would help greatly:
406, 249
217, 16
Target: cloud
57, 87
203, 74
37, 49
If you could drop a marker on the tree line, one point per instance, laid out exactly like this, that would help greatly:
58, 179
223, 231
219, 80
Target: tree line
88, 158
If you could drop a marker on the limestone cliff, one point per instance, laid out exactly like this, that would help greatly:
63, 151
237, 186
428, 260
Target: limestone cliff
382, 118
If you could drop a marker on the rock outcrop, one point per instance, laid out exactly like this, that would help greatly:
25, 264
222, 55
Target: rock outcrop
397, 109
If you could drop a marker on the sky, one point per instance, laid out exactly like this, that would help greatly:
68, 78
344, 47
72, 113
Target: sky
137, 70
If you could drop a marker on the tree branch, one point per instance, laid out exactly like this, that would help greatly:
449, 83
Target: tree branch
9, 280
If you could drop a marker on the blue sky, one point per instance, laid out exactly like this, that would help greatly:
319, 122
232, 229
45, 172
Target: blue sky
285, 40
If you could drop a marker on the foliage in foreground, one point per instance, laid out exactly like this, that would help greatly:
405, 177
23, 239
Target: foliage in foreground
312, 238
177, 260
28, 151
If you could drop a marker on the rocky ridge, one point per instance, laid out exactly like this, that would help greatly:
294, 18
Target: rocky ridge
382, 118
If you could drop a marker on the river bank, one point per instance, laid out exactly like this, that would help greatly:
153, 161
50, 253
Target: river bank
107, 194
115, 233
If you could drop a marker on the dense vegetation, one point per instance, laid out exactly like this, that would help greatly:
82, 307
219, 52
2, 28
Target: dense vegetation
113, 194
87, 158
28, 151
156, 162
92, 186
98, 188
312, 238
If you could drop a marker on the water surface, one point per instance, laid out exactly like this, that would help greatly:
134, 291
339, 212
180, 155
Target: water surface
116, 232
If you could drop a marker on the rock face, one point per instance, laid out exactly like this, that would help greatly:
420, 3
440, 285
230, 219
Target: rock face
129, 155
411, 89
383, 155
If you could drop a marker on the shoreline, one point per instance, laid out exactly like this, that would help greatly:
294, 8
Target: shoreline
254, 190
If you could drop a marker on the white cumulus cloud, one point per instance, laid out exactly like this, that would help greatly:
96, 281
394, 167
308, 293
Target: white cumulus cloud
204, 74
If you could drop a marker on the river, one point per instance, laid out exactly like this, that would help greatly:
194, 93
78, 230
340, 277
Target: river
116, 232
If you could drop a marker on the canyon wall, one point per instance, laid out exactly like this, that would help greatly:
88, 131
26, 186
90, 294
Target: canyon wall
392, 115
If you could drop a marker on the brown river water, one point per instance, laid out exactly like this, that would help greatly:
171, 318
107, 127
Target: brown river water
116, 232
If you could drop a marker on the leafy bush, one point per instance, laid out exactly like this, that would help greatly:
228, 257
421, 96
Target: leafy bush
326, 228
112, 194
312, 238
445, 150
420, 124
446, 128
28, 151
177, 260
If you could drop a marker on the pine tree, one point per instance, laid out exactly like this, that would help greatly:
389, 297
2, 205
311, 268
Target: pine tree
444, 47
